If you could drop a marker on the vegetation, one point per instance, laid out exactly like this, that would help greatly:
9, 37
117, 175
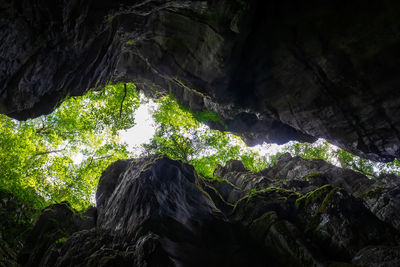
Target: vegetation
60, 157
325, 151
181, 136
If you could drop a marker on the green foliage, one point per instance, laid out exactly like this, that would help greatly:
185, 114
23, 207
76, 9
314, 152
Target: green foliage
273, 159
319, 150
181, 136
38, 157
208, 115
16, 219
323, 150
253, 162
350, 161
61, 240
59, 157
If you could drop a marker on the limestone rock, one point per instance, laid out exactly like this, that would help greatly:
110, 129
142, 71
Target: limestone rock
151, 212
274, 71
294, 173
340, 224
54, 226
156, 211
383, 199
380, 196
379, 256
16, 219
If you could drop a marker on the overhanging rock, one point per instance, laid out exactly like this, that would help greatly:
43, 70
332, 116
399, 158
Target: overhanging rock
274, 71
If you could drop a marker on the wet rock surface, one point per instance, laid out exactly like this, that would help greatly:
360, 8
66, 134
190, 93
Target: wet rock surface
158, 212
274, 71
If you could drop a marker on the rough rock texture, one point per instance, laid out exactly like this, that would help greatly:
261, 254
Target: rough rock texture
273, 70
295, 173
157, 212
383, 199
378, 256
152, 212
16, 219
54, 225
338, 209
303, 176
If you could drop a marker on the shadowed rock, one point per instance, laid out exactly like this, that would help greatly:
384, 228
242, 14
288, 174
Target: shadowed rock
303, 176
274, 71
157, 212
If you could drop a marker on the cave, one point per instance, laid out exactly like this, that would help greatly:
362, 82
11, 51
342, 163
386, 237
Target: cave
273, 71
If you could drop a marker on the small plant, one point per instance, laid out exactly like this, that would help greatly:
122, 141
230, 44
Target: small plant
61, 240
208, 115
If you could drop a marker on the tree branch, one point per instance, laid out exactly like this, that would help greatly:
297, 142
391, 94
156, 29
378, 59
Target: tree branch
122, 102
360, 170
48, 152
93, 159
42, 129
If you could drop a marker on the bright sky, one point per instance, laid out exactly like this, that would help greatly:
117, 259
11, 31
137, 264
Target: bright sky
144, 127
267, 150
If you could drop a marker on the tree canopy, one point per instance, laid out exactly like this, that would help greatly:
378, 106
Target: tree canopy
61, 156
321, 149
181, 135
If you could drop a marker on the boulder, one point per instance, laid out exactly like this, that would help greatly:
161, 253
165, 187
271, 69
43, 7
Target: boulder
155, 211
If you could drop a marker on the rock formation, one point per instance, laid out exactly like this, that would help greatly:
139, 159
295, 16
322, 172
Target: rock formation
273, 70
16, 220
158, 212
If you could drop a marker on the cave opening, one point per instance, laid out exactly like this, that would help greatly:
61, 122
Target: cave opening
60, 156
63, 154
220, 74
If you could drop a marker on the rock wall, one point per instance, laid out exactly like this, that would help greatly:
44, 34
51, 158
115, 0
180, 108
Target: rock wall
158, 212
303, 176
16, 220
274, 71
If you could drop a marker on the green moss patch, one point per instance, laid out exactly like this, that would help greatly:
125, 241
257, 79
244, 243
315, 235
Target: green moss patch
316, 196
310, 176
61, 240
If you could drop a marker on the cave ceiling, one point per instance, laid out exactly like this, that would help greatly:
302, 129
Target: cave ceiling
274, 71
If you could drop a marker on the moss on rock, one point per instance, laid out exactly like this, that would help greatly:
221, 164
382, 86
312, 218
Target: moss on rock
259, 202
316, 196
260, 226
310, 176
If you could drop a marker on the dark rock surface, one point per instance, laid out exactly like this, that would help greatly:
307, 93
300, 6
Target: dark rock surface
15, 221
273, 70
55, 224
158, 212
303, 176
378, 256
151, 212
